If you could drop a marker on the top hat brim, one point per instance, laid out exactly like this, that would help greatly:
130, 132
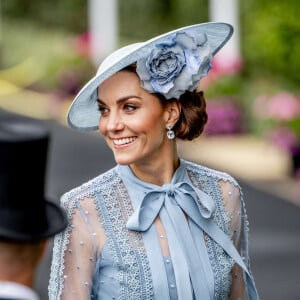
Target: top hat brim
83, 113
55, 221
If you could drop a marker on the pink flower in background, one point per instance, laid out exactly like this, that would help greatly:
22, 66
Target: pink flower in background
283, 137
278, 118
222, 65
283, 106
224, 117
82, 44
226, 64
280, 107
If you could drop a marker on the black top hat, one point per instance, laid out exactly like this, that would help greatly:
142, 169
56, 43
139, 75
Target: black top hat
25, 214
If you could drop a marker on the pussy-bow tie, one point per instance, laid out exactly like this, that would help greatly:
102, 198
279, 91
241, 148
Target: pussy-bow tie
175, 202
189, 198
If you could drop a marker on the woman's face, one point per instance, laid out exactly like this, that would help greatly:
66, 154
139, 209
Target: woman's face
132, 121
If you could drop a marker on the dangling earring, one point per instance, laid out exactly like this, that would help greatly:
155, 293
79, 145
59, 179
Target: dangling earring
170, 133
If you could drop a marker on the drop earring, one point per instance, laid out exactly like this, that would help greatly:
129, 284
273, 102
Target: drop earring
170, 133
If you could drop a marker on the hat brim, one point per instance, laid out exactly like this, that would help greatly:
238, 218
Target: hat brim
83, 113
55, 221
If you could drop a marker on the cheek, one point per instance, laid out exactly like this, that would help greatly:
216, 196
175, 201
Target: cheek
153, 120
148, 127
101, 126
155, 131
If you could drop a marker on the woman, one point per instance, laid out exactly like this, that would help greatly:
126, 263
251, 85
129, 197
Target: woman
155, 226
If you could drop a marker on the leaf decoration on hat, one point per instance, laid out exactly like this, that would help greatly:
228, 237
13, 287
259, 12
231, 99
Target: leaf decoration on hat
176, 65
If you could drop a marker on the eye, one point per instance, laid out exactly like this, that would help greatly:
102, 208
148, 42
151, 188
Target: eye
102, 109
129, 107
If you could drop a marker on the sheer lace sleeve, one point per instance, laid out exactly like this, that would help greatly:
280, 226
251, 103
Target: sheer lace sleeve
76, 250
238, 226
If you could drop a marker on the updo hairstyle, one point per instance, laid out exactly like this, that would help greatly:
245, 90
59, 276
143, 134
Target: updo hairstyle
193, 116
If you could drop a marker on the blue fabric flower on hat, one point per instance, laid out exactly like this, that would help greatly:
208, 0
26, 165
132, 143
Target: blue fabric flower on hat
175, 65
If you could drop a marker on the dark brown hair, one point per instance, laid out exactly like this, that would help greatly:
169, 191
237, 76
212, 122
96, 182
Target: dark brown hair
193, 116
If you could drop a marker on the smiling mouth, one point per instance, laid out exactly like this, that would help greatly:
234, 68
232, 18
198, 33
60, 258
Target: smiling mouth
124, 141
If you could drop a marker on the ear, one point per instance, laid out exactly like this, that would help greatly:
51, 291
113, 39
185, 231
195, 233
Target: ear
173, 112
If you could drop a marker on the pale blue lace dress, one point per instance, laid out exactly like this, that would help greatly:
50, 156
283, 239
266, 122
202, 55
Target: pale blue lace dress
128, 239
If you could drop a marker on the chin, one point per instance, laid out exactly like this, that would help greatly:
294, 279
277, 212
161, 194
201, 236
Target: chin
123, 160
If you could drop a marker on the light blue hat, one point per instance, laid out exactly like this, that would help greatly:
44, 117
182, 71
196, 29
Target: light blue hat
168, 64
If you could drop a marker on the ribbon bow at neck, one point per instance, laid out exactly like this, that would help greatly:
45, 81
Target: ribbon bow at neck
175, 202
181, 194
171, 200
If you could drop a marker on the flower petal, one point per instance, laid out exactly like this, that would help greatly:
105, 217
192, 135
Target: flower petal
163, 89
201, 39
185, 41
175, 65
142, 71
193, 62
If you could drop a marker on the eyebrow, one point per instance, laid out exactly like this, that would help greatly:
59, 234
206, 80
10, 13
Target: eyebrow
123, 99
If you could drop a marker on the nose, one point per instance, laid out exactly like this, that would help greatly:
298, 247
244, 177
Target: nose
114, 122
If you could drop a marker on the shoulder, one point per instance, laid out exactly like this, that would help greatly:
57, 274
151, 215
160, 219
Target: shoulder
214, 180
14, 290
88, 189
227, 194
204, 173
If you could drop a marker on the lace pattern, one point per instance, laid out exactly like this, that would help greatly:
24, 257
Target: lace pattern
212, 182
69, 202
126, 247
108, 196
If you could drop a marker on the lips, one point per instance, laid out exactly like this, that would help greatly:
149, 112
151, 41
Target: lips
124, 141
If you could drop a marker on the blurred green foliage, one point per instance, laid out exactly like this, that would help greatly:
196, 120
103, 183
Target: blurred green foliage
140, 20
270, 31
47, 30
69, 15
270, 38
52, 53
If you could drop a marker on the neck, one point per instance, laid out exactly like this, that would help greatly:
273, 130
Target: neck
18, 261
24, 276
158, 171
